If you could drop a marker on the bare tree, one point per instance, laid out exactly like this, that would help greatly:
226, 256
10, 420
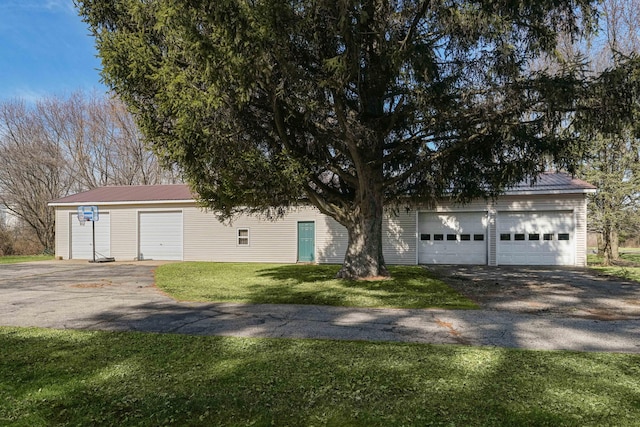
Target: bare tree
103, 142
614, 155
34, 169
63, 145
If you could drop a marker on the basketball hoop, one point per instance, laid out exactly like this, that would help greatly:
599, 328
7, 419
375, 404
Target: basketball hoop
81, 217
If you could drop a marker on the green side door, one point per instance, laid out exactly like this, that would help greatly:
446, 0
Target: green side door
306, 241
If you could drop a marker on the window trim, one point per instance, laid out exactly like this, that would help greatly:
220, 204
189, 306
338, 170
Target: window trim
247, 237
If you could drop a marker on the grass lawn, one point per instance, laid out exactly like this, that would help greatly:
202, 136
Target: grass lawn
630, 270
51, 377
13, 259
409, 287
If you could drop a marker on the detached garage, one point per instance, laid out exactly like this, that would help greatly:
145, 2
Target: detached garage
539, 224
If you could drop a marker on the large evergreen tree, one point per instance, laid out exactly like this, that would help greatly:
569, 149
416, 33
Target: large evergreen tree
350, 105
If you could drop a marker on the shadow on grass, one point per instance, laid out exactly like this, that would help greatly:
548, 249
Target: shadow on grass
408, 287
52, 377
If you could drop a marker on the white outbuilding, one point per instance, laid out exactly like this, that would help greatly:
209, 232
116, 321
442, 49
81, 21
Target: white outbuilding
540, 224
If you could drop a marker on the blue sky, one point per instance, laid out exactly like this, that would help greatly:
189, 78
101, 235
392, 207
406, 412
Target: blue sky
45, 50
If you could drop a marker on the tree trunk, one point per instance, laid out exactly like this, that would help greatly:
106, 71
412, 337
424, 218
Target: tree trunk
364, 258
608, 247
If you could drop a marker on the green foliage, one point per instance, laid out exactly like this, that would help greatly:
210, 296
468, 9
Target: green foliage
50, 378
264, 102
613, 157
628, 269
350, 105
409, 287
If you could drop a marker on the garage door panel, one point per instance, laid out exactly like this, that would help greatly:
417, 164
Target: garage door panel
82, 237
452, 238
535, 238
161, 235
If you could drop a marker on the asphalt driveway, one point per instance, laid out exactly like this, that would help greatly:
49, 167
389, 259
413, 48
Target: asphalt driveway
559, 291
521, 308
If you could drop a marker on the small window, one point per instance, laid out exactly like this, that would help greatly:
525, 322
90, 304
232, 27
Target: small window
534, 236
548, 236
465, 237
518, 236
243, 236
478, 237
438, 237
425, 237
451, 237
563, 236
505, 236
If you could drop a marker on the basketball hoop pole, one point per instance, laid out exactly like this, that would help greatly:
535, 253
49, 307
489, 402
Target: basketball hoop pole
93, 232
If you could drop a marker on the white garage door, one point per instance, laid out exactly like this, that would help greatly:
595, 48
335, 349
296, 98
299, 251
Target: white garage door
535, 238
160, 235
452, 238
82, 238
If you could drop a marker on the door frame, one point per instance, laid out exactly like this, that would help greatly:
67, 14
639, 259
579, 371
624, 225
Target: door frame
314, 260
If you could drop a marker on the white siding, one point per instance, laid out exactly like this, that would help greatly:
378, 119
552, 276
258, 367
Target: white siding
399, 237
63, 233
581, 232
331, 240
206, 239
124, 233
491, 236
82, 237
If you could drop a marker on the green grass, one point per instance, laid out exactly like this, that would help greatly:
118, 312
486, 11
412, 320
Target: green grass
630, 271
13, 259
409, 287
54, 378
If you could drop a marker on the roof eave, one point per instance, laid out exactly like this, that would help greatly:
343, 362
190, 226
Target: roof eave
548, 192
121, 203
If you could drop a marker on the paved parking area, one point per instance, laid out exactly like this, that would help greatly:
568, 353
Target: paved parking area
559, 291
122, 296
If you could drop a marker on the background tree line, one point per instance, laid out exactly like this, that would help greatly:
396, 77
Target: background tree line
63, 145
613, 155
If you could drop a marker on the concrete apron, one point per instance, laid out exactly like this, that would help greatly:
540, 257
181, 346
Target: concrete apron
123, 297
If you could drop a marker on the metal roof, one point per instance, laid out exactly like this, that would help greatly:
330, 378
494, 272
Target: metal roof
552, 183
128, 194
547, 183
